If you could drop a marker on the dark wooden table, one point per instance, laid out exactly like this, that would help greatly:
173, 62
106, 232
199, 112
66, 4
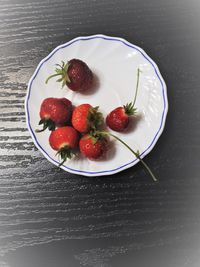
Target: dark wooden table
50, 218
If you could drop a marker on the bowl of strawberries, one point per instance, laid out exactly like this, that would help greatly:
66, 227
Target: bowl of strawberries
96, 105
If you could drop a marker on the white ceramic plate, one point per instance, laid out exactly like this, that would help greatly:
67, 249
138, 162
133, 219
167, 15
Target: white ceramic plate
114, 61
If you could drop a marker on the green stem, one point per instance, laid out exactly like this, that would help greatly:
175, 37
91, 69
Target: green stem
62, 162
43, 129
137, 86
135, 153
64, 153
51, 76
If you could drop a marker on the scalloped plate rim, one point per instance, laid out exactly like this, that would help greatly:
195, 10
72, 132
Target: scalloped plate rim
157, 135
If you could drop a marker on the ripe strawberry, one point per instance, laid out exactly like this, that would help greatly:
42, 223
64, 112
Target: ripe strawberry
118, 119
92, 147
55, 112
75, 74
64, 140
86, 118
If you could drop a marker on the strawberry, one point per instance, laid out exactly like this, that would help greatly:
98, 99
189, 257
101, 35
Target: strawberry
92, 147
64, 140
55, 112
118, 119
86, 118
75, 74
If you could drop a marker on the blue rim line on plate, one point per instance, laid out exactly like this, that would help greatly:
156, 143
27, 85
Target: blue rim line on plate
100, 36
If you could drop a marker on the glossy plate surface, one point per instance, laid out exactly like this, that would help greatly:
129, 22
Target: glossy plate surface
114, 61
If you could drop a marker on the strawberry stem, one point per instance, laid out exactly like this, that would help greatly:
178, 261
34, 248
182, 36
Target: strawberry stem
39, 131
95, 118
137, 156
51, 76
47, 123
136, 153
61, 70
64, 153
129, 108
137, 86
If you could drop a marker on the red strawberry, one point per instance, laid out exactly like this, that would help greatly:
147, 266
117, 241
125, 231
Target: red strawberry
64, 140
118, 119
55, 112
75, 74
92, 147
86, 118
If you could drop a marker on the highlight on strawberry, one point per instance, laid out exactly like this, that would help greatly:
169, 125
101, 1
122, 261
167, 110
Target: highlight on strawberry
118, 119
75, 74
86, 118
65, 141
54, 112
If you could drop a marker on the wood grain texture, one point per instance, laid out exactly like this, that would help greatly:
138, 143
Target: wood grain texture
52, 218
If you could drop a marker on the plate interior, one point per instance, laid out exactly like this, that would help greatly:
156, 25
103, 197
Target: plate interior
114, 63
